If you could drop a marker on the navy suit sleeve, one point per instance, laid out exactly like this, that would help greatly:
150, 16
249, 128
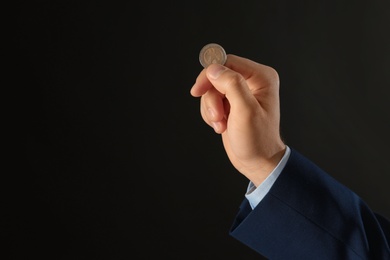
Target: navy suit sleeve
309, 215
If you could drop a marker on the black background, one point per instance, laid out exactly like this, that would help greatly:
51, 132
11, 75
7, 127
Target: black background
113, 159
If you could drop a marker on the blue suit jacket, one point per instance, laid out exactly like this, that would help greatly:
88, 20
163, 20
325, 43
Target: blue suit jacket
309, 215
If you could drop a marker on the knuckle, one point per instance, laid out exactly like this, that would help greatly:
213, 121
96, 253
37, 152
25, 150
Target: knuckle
234, 80
269, 76
273, 74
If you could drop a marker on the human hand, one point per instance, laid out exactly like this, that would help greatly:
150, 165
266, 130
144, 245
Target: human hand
240, 101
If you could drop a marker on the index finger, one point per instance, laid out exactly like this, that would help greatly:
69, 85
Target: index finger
250, 70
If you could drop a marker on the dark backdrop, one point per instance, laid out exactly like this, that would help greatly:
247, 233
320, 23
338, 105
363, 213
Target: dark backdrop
113, 159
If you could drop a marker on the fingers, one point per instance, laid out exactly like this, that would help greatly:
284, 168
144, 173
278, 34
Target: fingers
213, 110
232, 85
251, 71
240, 85
202, 84
222, 86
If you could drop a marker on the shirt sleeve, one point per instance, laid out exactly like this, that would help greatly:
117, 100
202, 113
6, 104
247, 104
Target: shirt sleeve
255, 195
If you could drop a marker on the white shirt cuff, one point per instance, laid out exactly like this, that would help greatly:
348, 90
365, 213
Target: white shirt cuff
255, 195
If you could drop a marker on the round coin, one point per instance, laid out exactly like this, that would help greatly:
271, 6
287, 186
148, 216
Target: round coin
212, 53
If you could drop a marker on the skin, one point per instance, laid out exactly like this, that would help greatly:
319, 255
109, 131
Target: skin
240, 101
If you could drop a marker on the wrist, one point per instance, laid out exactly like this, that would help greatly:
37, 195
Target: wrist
266, 165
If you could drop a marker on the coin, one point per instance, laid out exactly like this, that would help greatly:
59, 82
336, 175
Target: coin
212, 53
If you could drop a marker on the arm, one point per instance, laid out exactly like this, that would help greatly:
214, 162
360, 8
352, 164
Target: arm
306, 214
310, 215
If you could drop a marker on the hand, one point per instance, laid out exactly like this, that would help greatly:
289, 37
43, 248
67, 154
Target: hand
240, 100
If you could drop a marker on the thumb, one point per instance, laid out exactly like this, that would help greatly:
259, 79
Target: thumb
234, 86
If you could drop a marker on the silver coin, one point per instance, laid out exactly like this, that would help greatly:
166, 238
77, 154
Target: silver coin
212, 53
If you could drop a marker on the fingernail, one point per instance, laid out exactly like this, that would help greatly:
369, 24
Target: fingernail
215, 70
